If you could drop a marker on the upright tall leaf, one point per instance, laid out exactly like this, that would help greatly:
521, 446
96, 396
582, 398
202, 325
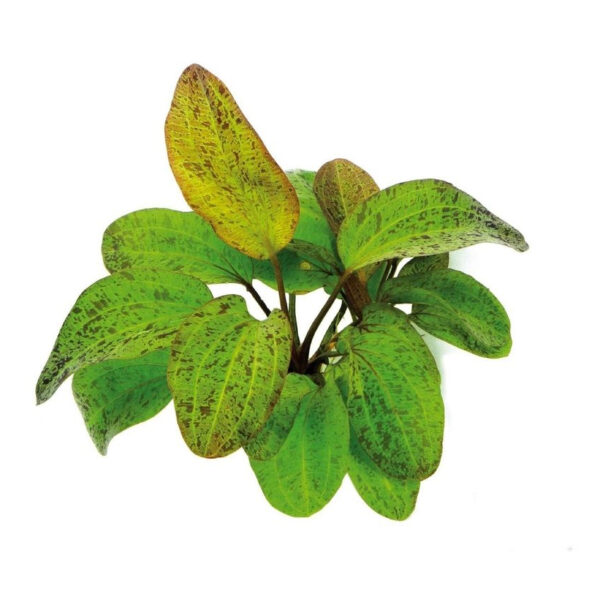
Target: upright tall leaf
393, 498
226, 373
391, 387
116, 394
340, 186
224, 170
418, 218
455, 308
271, 437
124, 315
308, 469
176, 241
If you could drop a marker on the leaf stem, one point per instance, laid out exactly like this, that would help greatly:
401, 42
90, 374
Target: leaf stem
280, 286
310, 334
252, 291
293, 319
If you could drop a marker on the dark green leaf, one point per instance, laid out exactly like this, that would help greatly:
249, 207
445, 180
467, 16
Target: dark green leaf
391, 387
308, 469
455, 308
418, 218
424, 264
390, 497
272, 436
176, 241
116, 394
226, 373
121, 316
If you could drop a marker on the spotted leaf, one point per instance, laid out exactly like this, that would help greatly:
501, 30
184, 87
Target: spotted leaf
419, 218
224, 170
308, 469
114, 395
393, 498
456, 308
124, 315
391, 387
226, 373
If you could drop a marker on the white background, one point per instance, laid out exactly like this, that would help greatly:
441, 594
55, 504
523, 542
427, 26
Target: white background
500, 98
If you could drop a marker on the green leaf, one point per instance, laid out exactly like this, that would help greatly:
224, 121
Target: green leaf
390, 497
272, 436
340, 186
224, 170
419, 218
175, 241
113, 395
124, 315
308, 469
313, 238
455, 308
226, 373
376, 280
391, 387
424, 264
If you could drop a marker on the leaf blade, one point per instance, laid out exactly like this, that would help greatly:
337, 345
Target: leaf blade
124, 315
418, 218
391, 387
456, 308
226, 372
224, 170
308, 469
114, 395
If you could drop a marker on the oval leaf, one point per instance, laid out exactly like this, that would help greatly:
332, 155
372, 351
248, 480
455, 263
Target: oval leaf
391, 387
340, 186
224, 170
226, 373
390, 497
308, 470
272, 436
419, 218
424, 264
456, 308
124, 315
113, 395
176, 241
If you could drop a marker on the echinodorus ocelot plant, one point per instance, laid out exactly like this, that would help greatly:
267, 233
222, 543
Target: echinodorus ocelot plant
365, 399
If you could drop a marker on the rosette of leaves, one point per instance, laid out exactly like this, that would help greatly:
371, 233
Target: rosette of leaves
363, 401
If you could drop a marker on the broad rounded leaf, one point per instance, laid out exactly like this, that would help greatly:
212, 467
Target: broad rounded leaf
456, 308
116, 394
226, 373
340, 186
124, 315
424, 264
391, 387
272, 436
173, 240
393, 498
308, 469
419, 218
224, 170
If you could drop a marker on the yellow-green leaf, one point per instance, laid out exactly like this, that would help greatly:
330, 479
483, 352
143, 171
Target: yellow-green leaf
308, 469
340, 186
224, 170
124, 315
226, 373
393, 498
272, 436
418, 218
114, 395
